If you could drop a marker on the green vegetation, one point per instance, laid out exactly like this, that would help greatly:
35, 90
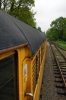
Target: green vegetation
61, 43
39, 28
57, 30
21, 9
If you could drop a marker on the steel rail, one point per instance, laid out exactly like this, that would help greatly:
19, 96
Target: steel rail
59, 67
60, 51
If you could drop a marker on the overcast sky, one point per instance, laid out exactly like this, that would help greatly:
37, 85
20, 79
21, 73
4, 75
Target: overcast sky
47, 11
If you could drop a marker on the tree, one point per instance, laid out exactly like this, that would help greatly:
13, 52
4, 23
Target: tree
0, 3
58, 29
21, 9
24, 3
64, 35
59, 25
50, 34
39, 28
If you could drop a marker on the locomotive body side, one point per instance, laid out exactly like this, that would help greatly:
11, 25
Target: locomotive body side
22, 59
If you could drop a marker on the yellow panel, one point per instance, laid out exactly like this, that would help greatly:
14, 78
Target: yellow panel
24, 71
6, 55
42, 51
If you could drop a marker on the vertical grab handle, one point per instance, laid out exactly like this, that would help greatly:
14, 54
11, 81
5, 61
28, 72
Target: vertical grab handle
29, 94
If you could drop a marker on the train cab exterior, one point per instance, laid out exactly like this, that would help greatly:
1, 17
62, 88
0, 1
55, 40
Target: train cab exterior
22, 57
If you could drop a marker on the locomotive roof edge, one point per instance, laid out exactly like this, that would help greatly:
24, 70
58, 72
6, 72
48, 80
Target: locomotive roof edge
14, 32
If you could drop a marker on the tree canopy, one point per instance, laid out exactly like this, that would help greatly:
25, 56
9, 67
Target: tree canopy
21, 9
39, 28
57, 30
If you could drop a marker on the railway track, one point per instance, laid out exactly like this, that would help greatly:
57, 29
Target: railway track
59, 64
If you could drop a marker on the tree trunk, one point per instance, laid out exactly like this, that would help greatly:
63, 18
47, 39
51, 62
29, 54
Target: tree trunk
0, 4
19, 4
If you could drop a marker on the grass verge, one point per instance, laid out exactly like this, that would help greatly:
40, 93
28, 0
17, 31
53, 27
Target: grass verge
62, 44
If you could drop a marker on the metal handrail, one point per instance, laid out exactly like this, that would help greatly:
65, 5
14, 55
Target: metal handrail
29, 94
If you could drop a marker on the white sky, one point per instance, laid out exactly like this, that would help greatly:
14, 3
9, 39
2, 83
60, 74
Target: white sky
47, 11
